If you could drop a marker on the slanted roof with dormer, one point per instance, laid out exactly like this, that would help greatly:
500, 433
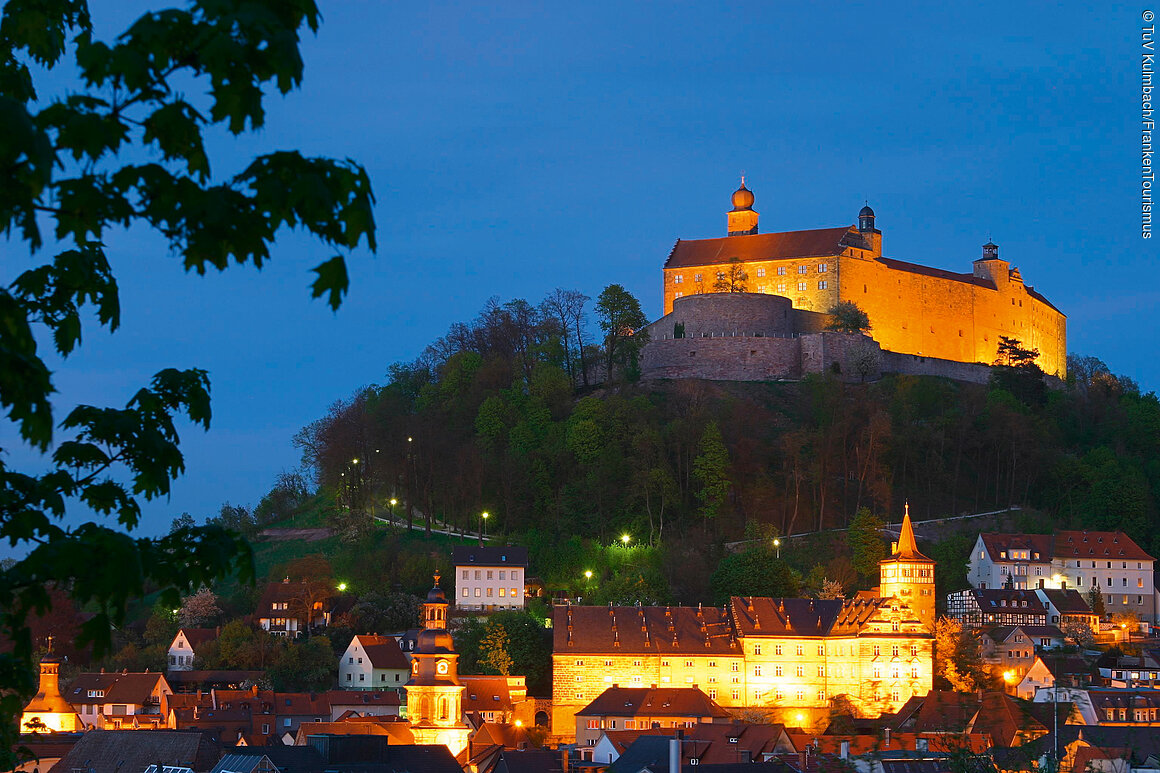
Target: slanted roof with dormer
643, 630
1097, 545
814, 243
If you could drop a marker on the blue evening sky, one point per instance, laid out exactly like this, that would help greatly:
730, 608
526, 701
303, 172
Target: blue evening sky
515, 148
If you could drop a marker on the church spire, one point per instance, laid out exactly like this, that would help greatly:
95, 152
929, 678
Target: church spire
907, 545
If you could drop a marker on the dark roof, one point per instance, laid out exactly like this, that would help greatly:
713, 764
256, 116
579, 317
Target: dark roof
289, 759
529, 761
122, 687
1069, 601
1003, 599
653, 702
651, 752
753, 616
363, 697
489, 555
220, 676
383, 651
372, 754
245, 763
645, 630
1043, 544
107, 751
788, 244
1141, 742
197, 636
1108, 545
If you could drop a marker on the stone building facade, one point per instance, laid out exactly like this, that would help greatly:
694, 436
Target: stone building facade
913, 309
795, 658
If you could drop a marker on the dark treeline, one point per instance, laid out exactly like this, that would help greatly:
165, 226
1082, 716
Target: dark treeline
505, 414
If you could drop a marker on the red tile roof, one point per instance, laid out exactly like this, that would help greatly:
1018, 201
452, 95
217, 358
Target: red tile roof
789, 244
754, 616
996, 544
197, 636
116, 688
383, 651
653, 702
1098, 545
645, 630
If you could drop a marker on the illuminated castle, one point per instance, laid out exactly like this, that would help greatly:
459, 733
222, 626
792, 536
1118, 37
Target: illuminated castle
913, 309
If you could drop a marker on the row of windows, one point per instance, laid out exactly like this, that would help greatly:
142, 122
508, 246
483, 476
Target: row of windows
490, 574
1123, 581
1138, 715
362, 677
781, 271
1078, 564
502, 592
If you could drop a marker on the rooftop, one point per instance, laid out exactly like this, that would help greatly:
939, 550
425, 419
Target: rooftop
489, 555
653, 702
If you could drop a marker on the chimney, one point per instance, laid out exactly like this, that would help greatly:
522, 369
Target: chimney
845, 752
888, 737
675, 753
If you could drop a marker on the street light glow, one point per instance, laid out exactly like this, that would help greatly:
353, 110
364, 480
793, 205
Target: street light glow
777, 543
354, 461
394, 501
486, 514
588, 574
342, 587
625, 538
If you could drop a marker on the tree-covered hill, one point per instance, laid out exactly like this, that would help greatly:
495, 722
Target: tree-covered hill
500, 416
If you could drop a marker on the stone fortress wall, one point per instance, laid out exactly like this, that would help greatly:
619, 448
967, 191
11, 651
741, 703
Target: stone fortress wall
755, 337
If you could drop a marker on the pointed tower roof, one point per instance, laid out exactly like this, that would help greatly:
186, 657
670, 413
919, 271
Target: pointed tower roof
907, 546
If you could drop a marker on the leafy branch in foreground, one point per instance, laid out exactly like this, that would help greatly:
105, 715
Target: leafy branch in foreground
128, 150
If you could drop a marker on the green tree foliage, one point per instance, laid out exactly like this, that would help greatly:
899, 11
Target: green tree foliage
621, 319
493, 650
846, 317
382, 612
303, 665
958, 663
1016, 371
755, 572
711, 471
126, 149
867, 544
1095, 600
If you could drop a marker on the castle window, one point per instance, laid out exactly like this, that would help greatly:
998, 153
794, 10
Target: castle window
712, 694
960, 334
756, 649
757, 670
736, 695
822, 284
777, 671
803, 269
697, 277
823, 268
777, 649
781, 288
800, 651
801, 287
678, 279
781, 270
720, 274
678, 295
864, 289
800, 671
761, 272
800, 695
894, 696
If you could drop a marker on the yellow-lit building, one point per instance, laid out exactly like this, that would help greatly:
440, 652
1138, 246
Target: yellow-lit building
908, 574
434, 693
795, 658
49, 712
913, 309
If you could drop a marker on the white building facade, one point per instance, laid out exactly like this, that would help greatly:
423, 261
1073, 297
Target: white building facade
373, 662
489, 578
1108, 560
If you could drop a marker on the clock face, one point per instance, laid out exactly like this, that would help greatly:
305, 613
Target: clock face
441, 666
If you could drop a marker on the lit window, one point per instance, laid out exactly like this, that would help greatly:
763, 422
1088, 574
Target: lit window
781, 287
823, 268
801, 287
678, 295
761, 272
803, 269
821, 284
502, 592
513, 593
678, 279
478, 592
781, 270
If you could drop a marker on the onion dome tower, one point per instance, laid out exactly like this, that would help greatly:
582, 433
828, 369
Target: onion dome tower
49, 712
434, 693
742, 218
866, 219
908, 575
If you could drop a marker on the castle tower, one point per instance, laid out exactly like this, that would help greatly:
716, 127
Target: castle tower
908, 575
742, 218
868, 230
991, 266
434, 694
49, 712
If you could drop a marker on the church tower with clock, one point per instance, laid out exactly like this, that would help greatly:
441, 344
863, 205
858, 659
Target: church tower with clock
434, 693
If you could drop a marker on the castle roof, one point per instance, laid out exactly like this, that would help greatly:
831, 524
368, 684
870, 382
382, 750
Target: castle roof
643, 630
818, 242
997, 544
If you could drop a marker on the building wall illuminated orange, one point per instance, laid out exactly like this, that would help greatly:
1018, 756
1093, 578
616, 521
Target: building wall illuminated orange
913, 309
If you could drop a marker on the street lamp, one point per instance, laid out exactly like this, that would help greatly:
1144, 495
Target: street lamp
342, 587
393, 502
482, 525
625, 539
777, 546
588, 574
